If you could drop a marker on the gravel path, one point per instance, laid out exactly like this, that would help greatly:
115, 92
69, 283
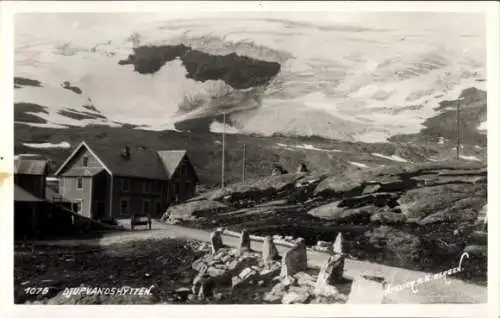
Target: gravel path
433, 291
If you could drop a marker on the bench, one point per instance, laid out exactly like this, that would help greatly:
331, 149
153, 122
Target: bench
136, 220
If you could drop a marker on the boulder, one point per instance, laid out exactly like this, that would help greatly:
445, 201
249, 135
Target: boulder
443, 201
366, 291
388, 218
245, 276
449, 215
330, 211
478, 238
379, 199
333, 212
192, 210
295, 259
339, 186
296, 297
477, 251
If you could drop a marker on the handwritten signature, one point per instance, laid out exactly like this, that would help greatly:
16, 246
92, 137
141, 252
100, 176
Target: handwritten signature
427, 278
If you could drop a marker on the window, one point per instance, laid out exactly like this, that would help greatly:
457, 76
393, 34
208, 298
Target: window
77, 207
125, 185
85, 161
79, 183
145, 207
147, 186
158, 207
156, 186
124, 206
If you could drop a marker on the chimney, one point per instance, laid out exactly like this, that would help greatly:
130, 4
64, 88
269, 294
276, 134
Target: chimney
125, 152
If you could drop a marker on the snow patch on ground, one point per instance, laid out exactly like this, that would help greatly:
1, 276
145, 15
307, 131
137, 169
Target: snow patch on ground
442, 140
40, 125
358, 164
306, 147
470, 158
392, 157
219, 128
23, 155
478, 147
63, 144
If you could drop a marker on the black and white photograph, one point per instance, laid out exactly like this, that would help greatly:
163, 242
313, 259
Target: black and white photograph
250, 157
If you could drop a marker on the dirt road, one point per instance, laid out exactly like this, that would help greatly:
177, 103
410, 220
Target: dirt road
434, 290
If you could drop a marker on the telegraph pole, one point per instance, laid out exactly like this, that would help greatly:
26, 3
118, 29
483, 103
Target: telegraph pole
458, 131
244, 162
223, 149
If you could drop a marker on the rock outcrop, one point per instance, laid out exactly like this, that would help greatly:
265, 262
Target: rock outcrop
193, 210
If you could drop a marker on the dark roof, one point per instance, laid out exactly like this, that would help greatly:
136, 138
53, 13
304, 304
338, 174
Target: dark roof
21, 195
142, 162
54, 196
30, 166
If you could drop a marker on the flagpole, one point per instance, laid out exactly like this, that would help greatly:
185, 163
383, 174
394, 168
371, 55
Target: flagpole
223, 149
244, 162
458, 131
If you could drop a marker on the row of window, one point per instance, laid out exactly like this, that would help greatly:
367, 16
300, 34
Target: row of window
147, 186
147, 205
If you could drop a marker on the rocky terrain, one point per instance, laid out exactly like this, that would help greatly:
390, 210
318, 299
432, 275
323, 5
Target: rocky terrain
415, 216
244, 276
136, 264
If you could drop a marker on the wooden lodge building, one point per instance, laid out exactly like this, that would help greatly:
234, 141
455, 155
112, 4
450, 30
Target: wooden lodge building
105, 181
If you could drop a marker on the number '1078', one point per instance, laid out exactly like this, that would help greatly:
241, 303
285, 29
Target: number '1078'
36, 291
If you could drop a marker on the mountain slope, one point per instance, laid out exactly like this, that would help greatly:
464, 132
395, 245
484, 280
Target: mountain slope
348, 81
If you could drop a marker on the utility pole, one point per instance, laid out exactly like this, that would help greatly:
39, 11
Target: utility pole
223, 149
244, 162
458, 131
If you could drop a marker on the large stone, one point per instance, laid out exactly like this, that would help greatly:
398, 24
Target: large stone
295, 259
269, 251
244, 276
478, 238
295, 297
245, 241
366, 291
388, 218
192, 210
216, 241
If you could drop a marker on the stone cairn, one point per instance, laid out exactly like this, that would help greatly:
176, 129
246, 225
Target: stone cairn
269, 251
332, 271
278, 170
244, 241
241, 268
216, 240
302, 168
295, 259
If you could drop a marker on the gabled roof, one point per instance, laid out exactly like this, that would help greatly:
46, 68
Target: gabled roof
171, 160
142, 163
30, 166
21, 195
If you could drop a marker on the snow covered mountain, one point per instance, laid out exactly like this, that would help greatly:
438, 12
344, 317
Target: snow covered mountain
351, 77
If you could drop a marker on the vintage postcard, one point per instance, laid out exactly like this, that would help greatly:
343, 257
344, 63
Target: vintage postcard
325, 159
